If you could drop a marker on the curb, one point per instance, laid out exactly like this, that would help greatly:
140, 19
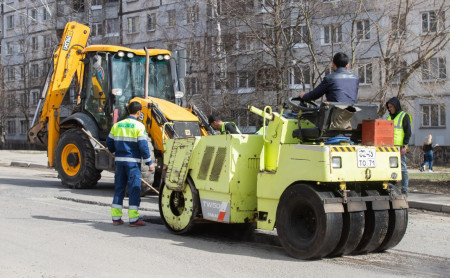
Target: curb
429, 206
19, 164
32, 165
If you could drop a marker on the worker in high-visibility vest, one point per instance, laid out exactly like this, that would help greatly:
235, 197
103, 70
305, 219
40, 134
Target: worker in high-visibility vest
128, 141
402, 134
223, 127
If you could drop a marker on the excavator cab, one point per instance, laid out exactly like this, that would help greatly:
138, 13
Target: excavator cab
128, 82
113, 79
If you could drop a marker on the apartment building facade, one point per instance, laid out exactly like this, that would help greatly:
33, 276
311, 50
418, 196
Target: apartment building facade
261, 52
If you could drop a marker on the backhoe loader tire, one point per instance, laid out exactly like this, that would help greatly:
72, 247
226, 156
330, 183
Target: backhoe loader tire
375, 229
179, 209
398, 221
352, 231
303, 227
75, 160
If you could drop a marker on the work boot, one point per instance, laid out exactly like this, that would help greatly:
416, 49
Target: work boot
117, 222
138, 223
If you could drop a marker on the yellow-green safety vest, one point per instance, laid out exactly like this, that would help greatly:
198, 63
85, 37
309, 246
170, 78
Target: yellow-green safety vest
223, 131
399, 134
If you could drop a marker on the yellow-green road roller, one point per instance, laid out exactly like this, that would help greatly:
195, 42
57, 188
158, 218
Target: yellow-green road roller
308, 176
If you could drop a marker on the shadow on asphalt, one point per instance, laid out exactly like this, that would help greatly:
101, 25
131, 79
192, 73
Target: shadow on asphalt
98, 190
232, 235
31, 183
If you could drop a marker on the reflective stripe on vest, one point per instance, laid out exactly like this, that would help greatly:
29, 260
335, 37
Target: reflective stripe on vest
399, 133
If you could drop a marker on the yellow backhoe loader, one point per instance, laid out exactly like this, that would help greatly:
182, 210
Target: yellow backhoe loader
107, 78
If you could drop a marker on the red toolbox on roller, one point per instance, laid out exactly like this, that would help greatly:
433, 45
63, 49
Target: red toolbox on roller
378, 132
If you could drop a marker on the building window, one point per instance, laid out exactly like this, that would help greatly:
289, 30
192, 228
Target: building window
20, 46
21, 20
265, 4
78, 5
192, 14
332, 33
229, 42
97, 29
434, 68
133, 25
211, 10
192, 85
21, 73
172, 16
399, 72
11, 127
23, 127
299, 35
363, 30
112, 27
432, 22
398, 26
34, 43
23, 100
245, 80
10, 22
34, 98
9, 48
33, 16
243, 41
299, 76
47, 42
34, 71
97, 4
151, 22
45, 14
10, 76
433, 115
365, 74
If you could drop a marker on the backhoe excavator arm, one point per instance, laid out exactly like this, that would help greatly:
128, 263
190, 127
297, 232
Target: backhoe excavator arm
67, 61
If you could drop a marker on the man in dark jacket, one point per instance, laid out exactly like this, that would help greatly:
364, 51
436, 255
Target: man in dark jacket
402, 134
339, 86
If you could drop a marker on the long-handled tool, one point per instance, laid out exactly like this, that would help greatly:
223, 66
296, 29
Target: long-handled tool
112, 155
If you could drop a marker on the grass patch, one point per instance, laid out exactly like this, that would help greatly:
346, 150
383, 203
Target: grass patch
430, 176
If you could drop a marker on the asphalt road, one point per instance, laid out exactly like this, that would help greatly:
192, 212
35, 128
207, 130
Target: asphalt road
47, 230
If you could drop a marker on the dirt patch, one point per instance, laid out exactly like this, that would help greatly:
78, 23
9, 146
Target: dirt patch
429, 186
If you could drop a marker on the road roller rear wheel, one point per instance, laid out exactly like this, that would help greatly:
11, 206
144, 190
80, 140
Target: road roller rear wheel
398, 221
303, 227
375, 229
352, 231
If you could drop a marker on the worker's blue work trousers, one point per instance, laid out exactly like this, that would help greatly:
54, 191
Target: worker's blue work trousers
127, 175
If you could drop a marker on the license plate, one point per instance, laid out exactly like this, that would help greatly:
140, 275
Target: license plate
366, 158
